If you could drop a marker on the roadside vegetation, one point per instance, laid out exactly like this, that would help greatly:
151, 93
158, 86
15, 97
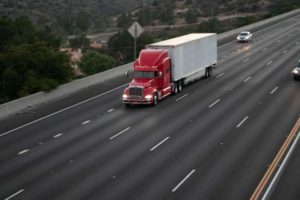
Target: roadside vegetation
29, 60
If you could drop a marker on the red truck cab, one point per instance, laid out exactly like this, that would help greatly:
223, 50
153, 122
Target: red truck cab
151, 80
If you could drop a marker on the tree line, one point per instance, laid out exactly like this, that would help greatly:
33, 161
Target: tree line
30, 60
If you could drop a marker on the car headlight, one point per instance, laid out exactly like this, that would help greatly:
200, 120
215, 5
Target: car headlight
296, 71
149, 96
125, 96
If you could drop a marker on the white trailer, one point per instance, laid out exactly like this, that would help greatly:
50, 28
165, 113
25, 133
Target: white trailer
192, 56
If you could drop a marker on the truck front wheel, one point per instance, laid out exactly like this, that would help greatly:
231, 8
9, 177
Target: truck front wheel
155, 99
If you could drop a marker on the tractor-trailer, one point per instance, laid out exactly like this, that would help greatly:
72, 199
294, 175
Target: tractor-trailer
164, 67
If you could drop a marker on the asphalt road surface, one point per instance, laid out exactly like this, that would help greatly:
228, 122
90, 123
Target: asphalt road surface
214, 140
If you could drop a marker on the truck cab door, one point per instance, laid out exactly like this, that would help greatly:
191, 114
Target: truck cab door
166, 73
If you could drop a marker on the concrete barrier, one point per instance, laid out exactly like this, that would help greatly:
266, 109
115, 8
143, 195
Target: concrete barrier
42, 97
18, 105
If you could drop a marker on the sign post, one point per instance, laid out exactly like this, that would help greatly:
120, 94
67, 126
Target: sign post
135, 31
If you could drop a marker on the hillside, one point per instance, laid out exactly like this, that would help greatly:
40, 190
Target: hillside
66, 17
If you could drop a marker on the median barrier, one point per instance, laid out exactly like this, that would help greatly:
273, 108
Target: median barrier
33, 100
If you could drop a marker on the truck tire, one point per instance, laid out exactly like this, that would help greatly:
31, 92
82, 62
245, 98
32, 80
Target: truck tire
179, 86
175, 89
206, 72
127, 105
155, 99
209, 71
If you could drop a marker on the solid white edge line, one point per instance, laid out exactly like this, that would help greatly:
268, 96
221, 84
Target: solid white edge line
60, 111
17, 193
58, 135
247, 79
281, 168
181, 97
24, 151
214, 103
220, 75
183, 180
119, 133
160, 143
241, 123
274, 90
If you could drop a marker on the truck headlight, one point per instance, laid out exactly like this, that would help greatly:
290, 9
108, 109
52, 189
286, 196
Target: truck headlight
125, 96
149, 96
295, 71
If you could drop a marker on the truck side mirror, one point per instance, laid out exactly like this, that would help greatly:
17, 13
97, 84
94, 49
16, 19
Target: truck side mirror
129, 74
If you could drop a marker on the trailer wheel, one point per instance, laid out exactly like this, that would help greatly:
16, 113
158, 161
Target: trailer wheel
206, 72
179, 86
209, 71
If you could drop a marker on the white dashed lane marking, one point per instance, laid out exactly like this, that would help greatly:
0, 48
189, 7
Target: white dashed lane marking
111, 138
242, 122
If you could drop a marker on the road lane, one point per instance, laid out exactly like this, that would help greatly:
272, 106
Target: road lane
84, 164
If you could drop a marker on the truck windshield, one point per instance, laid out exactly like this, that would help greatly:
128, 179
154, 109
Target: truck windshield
143, 74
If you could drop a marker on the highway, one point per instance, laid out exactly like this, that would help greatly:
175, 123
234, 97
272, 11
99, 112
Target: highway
214, 140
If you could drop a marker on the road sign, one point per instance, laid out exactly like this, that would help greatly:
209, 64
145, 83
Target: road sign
135, 30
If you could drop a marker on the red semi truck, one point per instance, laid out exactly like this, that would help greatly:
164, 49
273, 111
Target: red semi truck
164, 67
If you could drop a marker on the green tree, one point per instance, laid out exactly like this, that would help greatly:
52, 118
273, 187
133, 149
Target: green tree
191, 16
83, 20
67, 22
284, 6
11, 83
122, 45
93, 62
6, 32
124, 21
167, 12
29, 68
21, 30
79, 42
145, 16
212, 25
101, 22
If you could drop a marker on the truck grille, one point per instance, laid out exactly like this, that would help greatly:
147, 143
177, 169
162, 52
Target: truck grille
136, 91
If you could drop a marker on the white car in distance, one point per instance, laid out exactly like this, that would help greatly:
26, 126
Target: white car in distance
244, 36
